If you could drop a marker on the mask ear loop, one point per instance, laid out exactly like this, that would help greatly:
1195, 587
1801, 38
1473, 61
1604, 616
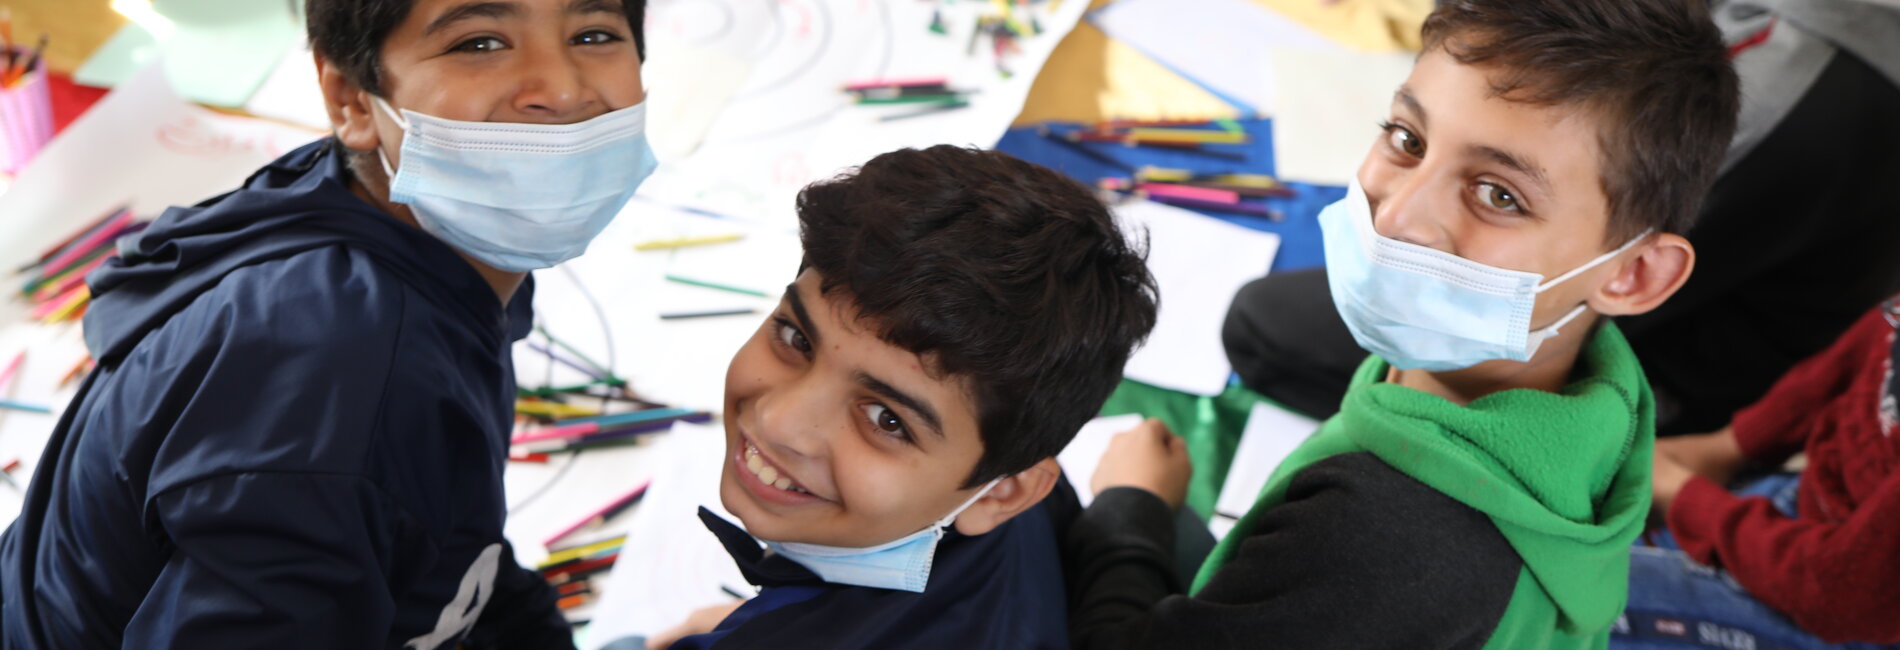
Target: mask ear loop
1593, 263
1538, 337
401, 123
952, 517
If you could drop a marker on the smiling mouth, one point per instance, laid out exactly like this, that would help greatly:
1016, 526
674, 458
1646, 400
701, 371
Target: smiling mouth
768, 474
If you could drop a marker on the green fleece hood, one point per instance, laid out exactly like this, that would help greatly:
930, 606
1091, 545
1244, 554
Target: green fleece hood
1564, 476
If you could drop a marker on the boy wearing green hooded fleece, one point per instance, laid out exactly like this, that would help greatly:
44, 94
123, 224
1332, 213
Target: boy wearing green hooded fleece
1490, 464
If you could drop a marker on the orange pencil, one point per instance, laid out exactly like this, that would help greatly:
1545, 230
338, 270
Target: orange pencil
77, 370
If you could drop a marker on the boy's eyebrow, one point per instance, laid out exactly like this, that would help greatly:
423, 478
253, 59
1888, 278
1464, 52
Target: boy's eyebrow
1514, 162
596, 7
1404, 95
798, 310
461, 12
920, 407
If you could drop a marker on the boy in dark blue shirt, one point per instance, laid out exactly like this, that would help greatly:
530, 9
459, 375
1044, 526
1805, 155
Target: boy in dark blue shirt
891, 429
296, 432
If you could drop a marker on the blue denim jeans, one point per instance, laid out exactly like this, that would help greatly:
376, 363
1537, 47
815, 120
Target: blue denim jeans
1677, 603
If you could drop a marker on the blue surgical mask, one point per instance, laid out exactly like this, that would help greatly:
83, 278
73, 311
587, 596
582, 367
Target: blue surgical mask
516, 196
902, 564
1421, 308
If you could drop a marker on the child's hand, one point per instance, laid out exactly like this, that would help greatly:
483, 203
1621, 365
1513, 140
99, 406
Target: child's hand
699, 622
1715, 456
1667, 476
1149, 457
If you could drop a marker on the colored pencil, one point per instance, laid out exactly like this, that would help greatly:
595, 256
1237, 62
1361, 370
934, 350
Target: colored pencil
603, 513
558, 556
563, 360
707, 314
23, 406
896, 83
1084, 150
1188, 192
682, 242
714, 285
929, 110
1210, 206
6, 374
1188, 135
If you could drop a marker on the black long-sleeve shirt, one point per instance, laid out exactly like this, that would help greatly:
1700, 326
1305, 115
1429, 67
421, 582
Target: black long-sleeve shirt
1359, 555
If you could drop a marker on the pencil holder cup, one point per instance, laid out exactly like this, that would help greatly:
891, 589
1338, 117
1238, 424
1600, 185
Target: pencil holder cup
26, 118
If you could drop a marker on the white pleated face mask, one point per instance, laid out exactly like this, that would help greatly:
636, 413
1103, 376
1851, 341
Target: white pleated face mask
516, 196
1421, 308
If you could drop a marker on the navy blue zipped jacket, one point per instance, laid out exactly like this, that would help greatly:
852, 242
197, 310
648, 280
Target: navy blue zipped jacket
1002, 589
294, 438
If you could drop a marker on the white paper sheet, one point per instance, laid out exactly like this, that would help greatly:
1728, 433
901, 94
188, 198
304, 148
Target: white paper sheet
1271, 433
1084, 453
670, 564
790, 123
1334, 100
1224, 44
1199, 263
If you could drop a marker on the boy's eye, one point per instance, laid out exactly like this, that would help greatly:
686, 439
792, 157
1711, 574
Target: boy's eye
793, 338
480, 44
1404, 140
886, 421
1497, 197
595, 37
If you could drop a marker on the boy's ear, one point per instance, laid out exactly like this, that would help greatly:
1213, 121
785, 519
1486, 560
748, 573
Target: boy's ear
1010, 497
1641, 283
349, 107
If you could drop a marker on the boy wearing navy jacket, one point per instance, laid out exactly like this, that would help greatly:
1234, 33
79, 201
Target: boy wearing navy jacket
891, 429
296, 432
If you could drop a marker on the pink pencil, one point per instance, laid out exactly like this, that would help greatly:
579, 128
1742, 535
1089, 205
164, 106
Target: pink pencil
72, 279
1189, 192
557, 432
896, 83
600, 515
103, 235
12, 367
47, 308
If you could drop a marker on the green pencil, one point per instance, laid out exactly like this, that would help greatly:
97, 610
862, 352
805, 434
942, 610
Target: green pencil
714, 285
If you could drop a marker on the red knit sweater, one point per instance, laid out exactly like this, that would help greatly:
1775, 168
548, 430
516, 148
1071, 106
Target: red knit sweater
1836, 569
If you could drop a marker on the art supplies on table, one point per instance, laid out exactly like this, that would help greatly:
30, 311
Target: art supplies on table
1223, 193
574, 434
572, 571
56, 282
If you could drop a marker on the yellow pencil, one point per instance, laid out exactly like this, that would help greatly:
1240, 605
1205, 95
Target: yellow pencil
558, 557
553, 409
681, 242
66, 310
1188, 135
1164, 175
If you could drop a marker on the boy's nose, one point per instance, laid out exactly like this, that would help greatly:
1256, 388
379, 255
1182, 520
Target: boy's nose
790, 425
1414, 209
553, 90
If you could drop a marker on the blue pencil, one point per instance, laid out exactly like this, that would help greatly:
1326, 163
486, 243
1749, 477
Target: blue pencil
23, 406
